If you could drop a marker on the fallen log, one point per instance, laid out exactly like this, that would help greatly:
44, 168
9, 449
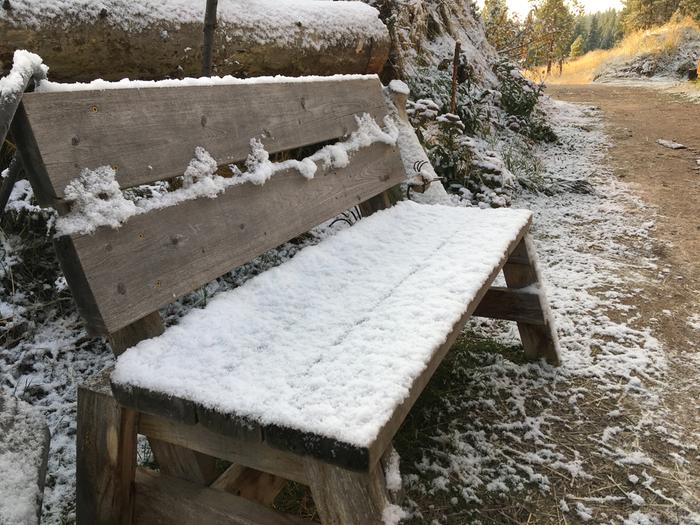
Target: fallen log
113, 39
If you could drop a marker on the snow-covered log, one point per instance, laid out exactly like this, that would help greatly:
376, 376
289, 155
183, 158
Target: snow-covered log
113, 39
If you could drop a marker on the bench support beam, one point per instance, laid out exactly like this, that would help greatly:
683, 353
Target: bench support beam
539, 339
343, 497
106, 456
511, 305
167, 500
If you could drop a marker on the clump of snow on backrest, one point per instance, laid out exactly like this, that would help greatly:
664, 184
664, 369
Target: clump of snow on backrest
96, 199
200, 169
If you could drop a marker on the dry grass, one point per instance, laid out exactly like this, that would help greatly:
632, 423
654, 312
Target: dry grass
659, 40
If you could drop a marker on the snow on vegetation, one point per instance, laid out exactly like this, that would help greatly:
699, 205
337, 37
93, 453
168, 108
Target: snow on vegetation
96, 199
25, 65
281, 21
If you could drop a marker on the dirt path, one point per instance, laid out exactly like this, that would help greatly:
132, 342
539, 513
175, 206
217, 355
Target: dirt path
668, 180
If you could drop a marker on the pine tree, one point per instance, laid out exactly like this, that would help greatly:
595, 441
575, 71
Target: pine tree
689, 8
501, 29
554, 26
576, 48
643, 14
593, 37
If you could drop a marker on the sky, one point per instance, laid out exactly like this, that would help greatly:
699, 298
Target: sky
521, 7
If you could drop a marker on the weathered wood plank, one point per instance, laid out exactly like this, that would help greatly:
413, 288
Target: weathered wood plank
343, 497
183, 463
386, 434
156, 257
29, 154
538, 340
148, 326
164, 500
243, 451
249, 483
150, 134
511, 305
106, 457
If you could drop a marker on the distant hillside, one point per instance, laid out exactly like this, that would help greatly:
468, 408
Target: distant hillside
663, 53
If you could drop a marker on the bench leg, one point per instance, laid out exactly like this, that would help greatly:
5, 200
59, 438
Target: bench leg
106, 457
344, 497
173, 460
520, 271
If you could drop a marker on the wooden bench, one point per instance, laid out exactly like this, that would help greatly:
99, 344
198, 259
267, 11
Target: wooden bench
307, 371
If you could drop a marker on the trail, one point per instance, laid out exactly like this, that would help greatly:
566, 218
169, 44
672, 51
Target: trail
610, 437
669, 181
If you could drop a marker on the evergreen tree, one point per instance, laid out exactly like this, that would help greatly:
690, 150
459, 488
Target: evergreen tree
593, 36
576, 48
689, 8
501, 29
643, 14
553, 29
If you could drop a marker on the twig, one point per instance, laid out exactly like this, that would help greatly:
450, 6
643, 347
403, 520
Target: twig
455, 66
209, 29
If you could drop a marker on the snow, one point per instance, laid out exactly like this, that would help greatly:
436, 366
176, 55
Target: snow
21, 446
283, 22
399, 86
393, 514
24, 66
96, 199
283, 348
46, 86
694, 322
392, 474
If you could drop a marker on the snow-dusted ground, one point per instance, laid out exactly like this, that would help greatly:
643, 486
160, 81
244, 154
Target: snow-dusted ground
588, 434
591, 435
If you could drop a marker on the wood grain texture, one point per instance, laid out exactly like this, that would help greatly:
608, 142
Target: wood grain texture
151, 134
154, 258
106, 457
249, 483
246, 451
538, 340
164, 500
343, 497
148, 326
511, 305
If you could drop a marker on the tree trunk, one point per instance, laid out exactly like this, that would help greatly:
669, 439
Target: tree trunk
82, 48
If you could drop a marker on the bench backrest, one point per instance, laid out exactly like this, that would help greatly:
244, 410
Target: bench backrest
121, 275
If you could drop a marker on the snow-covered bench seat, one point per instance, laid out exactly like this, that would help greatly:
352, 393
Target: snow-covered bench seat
331, 343
307, 371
